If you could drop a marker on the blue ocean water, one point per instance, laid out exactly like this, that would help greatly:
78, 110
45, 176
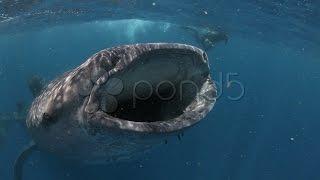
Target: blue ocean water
270, 132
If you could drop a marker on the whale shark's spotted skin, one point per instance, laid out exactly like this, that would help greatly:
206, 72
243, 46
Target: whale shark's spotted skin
69, 117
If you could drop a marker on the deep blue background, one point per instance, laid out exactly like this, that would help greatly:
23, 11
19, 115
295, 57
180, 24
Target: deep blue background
270, 133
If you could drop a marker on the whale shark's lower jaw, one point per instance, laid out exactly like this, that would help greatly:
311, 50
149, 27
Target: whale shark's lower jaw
163, 88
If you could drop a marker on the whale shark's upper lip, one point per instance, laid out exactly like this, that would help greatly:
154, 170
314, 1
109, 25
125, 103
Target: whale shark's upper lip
176, 90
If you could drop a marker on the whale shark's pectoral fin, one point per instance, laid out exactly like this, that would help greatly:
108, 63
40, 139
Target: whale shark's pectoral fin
36, 85
18, 164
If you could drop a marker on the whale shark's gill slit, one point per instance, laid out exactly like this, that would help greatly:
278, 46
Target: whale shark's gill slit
159, 85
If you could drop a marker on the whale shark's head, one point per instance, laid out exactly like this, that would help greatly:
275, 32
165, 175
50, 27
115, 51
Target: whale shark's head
153, 88
122, 96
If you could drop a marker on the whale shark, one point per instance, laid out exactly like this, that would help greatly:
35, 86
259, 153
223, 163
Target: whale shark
121, 102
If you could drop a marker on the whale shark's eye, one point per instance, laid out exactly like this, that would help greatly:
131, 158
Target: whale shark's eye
48, 119
205, 56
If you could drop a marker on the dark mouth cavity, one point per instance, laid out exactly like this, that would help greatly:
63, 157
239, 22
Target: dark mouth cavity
158, 86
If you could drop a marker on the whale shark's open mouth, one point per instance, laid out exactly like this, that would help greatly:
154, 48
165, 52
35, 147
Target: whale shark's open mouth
160, 88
